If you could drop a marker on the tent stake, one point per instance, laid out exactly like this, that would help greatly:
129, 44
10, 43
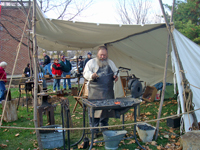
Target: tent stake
165, 71
35, 60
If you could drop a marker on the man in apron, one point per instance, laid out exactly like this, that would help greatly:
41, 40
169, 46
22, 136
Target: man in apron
101, 75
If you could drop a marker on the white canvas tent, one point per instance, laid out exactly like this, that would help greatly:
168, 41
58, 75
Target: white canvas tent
140, 48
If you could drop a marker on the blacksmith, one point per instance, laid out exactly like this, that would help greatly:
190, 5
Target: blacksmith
101, 75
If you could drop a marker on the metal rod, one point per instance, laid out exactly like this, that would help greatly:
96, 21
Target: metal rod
92, 130
135, 114
63, 125
68, 131
84, 108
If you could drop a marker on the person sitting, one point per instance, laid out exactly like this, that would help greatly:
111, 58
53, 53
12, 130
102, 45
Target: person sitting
27, 70
47, 64
56, 71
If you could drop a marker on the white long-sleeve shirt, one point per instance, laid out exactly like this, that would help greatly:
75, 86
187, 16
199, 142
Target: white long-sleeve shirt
92, 67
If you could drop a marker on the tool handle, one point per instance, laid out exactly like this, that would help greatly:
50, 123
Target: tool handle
125, 68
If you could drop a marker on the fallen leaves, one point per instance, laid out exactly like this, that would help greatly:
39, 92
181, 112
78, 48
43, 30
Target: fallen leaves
131, 142
5, 130
17, 134
3, 145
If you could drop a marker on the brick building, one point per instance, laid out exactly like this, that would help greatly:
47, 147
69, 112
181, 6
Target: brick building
12, 21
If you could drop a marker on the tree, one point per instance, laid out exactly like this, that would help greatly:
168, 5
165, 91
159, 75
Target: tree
187, 19
134, 11
65, 9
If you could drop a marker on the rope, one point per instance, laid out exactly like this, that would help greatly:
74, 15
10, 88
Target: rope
120, 125
189, 105
18, 49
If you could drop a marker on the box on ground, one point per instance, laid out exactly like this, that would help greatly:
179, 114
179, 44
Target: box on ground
174, 122
149, 93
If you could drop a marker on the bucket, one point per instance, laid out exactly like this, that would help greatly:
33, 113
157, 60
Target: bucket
51, 138
145, 132
113, 138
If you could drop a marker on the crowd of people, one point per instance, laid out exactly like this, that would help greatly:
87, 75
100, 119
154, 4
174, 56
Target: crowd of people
62, 68
100, 72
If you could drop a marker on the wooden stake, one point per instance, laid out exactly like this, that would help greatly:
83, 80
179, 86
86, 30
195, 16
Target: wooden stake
165, 71
35, 60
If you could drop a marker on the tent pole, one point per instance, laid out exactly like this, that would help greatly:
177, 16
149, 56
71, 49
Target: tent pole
30, 50
165, 71
35, 60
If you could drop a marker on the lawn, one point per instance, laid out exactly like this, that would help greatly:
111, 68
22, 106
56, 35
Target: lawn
20, 139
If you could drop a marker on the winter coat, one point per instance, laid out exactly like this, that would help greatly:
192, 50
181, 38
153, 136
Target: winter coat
56, 69
3, 74
66, 67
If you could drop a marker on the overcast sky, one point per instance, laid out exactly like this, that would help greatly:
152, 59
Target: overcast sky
104, 11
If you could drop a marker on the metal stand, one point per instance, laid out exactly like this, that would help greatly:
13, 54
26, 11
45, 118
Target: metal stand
65, 109
45, 107
28, 88
92, 131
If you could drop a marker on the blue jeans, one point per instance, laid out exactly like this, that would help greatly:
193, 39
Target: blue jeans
40, 75
2, 89
56, 82
47, 67
68, 80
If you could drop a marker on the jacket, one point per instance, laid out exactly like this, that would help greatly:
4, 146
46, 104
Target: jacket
85, 62
3, 75
56, 69
47, 60
66, 67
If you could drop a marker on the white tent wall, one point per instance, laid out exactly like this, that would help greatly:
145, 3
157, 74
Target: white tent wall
189, 54
144, 54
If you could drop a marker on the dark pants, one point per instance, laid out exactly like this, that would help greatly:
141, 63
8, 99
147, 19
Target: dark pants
2, 89
102, 121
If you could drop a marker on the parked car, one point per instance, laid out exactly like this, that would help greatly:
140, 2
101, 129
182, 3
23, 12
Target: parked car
74, 72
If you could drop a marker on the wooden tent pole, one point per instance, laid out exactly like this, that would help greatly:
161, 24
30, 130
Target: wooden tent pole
35, 60
30, 50
165, 72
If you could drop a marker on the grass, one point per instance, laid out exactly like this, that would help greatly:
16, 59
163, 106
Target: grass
17, 139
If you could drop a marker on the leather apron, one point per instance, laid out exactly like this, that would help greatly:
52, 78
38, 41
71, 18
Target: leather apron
102, 88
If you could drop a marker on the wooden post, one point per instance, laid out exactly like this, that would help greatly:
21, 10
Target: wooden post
35, 60
166, 64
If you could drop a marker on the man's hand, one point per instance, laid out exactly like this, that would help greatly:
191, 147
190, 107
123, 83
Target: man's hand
94, 76
116, 78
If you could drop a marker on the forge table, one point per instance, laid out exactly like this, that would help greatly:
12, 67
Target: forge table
114, 104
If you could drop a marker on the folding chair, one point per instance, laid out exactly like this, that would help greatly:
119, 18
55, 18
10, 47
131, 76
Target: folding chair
83, 94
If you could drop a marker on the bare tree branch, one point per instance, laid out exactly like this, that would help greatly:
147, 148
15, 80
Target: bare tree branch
12, 35
133, 11
68, 2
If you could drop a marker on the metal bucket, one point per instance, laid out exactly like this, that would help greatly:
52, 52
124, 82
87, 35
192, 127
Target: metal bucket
112, 138
51, 138
146, 135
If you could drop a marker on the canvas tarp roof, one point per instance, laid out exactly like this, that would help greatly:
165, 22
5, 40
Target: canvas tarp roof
140, 48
